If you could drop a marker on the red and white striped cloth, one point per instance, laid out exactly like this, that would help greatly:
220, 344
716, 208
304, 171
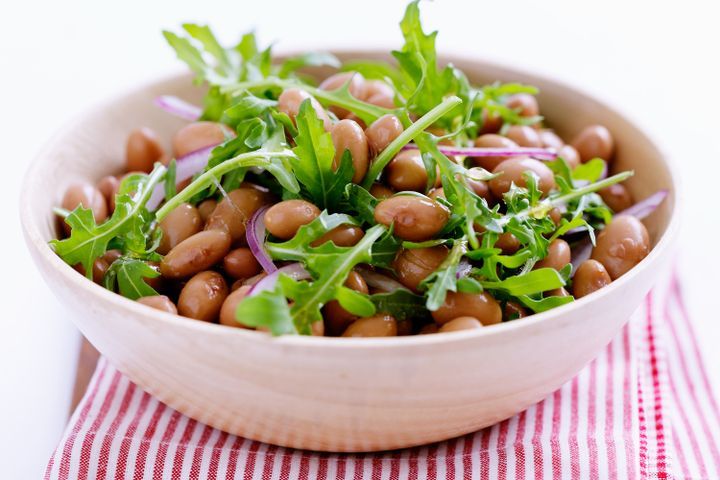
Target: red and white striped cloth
643, 409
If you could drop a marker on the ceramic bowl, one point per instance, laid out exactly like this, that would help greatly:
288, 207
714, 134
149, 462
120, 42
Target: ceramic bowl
336, 394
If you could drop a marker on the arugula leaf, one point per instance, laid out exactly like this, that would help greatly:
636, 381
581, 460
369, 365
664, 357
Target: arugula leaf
329, 265
401, 304
590, 171
444, 279
170, 184
313, 163
268, 309
361, 202
538, 305
536, 281
129, 275
424, 85
472, 209
310, 59
129, 222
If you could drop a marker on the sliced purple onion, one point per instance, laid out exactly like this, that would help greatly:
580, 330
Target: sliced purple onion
255, 235
580, 252
645, 207
294, 270
379, 281
187, 166
178, 107
540, 153
463, 268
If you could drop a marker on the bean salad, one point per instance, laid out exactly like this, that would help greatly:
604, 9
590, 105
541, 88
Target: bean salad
387, 199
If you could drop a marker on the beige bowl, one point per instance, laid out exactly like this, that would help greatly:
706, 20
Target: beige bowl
340, 394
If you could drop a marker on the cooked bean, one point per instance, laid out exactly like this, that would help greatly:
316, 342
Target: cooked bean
183, 222
341, 236
376, 326
229, 307
111, 255
558, 292
478, 305
407, 172
524, 136
382, 132
384, 101
199, 135
436, 193
550, 139
377, 88
507, 242
347, 135
480, 188
413, 265
89, 197
241, 263
285, 218
414, 218
555, 215
290, 100
202, 296
513, 311
429, 328
594, 141
491, 123
195, 254
491, 140
99, 268
380, 191
570, 155
558, 255
234, 211
159, 302
206, 208
143, 149
356, 88
617, 197
621, 245
512, 172
589, 277
109, 187
460, 323
524, 103
336, 317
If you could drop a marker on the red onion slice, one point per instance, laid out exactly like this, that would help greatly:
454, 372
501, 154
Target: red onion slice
379, 281
463, 268
644, 208
294, 270
178, 107
540, 153
580, 252
187, 166
255, 235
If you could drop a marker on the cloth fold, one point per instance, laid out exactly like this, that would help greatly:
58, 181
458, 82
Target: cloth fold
643, 409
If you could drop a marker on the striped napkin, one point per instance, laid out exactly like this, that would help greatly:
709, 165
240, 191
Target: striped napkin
643, 409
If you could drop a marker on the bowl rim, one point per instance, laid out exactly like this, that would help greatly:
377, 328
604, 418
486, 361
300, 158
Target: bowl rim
34, 239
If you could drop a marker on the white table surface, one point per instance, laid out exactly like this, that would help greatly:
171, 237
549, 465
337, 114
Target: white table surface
657, 60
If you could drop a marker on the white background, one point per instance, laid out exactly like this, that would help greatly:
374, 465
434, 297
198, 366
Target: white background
656, 60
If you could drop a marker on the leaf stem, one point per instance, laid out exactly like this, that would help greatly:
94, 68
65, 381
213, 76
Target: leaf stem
407, 136
366, 111
548, 204
258, 158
